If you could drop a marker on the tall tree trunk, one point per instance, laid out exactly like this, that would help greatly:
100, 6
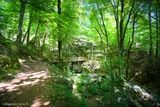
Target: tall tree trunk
130, 45
21, 18
44, 40
29, 30
150, 28
157, 31
121, 25
59, 32
35, 38
115, 6
29, 26
103, 24
27, 34
121, 29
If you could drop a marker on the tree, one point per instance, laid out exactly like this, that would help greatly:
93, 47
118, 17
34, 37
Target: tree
150, 28
131, 41
122, 20
27, 34
157, 27
21, 18
59, 31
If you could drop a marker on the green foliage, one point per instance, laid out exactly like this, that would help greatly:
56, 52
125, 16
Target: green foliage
114, 29
64, 97
62, 88
8, 67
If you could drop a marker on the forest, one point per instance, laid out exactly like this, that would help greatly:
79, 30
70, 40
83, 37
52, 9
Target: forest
79, 53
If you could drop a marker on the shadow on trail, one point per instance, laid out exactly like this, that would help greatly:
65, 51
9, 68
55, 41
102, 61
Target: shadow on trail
29, 88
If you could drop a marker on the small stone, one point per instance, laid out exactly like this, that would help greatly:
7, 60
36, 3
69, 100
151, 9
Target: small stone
46, 103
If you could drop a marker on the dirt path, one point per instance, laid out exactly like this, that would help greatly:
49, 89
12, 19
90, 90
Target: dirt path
29, 88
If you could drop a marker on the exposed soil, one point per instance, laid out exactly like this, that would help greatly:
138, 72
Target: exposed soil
29, 88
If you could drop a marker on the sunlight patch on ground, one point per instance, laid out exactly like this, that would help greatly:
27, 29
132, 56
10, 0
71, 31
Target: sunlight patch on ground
39, 103
24, 79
